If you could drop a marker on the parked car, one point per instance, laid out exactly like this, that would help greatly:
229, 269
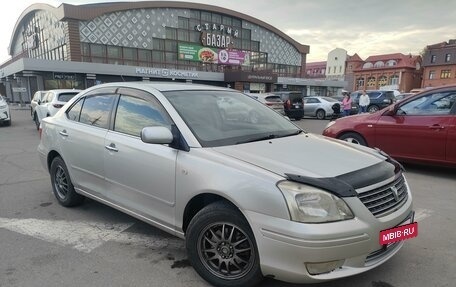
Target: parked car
293, 104
5, 115
271, 100
251, 199
379, 99
420, 128
51, 102
319, 107
36, 100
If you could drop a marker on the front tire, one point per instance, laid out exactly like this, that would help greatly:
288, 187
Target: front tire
37, 122
353, 138
221, 247
373, 109
321, 114
62, 186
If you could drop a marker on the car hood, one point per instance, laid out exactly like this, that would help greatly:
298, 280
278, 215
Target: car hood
306, 155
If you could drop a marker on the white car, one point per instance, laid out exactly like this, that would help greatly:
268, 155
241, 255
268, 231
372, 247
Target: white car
36, 100
251, 198
271, 100
52, 102
5, 115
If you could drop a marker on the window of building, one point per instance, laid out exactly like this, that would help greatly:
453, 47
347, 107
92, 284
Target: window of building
206, 16
170, 46
158, 44
195, 37
226, 21
359, 82
97, 50
216, 18
447, 57
394, 80
183, 35
367, 65
391, 63
129, 53
431, 75
183, 23
246, 34
379, 64
114, 52
195, 14
255, 46
382, 81
433, 58
340, 69
371, 81
445, 74
236, 23
158, 56
171, 33
144, 55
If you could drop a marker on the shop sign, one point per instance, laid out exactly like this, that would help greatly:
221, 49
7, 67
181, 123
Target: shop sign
167, 73
64, 76
214, 35
19, 90
252, 77
198, 53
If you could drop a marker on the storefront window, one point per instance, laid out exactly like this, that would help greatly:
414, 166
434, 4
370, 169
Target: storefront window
144, 55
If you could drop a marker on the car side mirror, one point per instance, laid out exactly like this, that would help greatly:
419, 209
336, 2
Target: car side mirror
392, 110
39, 102
156, 135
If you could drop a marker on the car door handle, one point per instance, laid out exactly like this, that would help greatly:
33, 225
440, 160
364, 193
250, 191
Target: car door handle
436, 127
111, 147
63, 133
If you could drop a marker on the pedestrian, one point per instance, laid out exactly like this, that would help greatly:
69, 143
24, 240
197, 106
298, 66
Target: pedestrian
346, 104
364, 101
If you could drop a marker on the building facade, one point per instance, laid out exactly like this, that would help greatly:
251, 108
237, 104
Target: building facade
81, 46
439, 63
392, 71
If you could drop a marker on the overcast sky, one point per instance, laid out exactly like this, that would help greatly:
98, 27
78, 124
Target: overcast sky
366, 27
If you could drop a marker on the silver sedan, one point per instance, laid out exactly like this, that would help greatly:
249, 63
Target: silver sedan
252, 198
319, 107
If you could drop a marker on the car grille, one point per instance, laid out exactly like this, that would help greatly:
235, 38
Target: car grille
386, 199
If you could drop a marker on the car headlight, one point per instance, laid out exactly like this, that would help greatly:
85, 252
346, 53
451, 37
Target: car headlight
309, 204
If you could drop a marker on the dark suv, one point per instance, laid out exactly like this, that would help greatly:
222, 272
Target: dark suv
379, 99
293, 104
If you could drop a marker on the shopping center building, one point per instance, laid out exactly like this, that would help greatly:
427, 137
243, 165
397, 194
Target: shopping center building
78, 46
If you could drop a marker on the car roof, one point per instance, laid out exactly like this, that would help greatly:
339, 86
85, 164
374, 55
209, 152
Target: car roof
59, 91
164, 86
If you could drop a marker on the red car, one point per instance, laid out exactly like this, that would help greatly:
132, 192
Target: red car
420, 128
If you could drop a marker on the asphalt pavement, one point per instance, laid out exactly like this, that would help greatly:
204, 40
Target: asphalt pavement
45, 244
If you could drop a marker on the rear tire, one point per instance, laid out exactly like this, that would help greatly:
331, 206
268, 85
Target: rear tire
222, 248
62, 186
353, 138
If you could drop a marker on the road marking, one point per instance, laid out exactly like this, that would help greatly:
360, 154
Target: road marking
85, 236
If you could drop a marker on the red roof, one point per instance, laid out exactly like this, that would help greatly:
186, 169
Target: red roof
403, 61
355, 57
316, 65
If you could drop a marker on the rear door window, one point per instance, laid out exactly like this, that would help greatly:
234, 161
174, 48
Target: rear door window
96, 110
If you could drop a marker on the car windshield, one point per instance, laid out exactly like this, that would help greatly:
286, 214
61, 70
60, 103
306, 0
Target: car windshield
219, 118
328, 99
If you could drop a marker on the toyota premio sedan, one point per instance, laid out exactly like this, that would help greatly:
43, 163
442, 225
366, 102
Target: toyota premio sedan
251, 199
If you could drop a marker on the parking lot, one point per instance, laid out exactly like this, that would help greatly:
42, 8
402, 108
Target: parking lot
45, 244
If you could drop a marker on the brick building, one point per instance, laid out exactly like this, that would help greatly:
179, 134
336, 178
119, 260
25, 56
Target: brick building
391, 71
439, 63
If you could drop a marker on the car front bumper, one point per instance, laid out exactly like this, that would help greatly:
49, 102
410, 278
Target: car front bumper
5, 114
288, 249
